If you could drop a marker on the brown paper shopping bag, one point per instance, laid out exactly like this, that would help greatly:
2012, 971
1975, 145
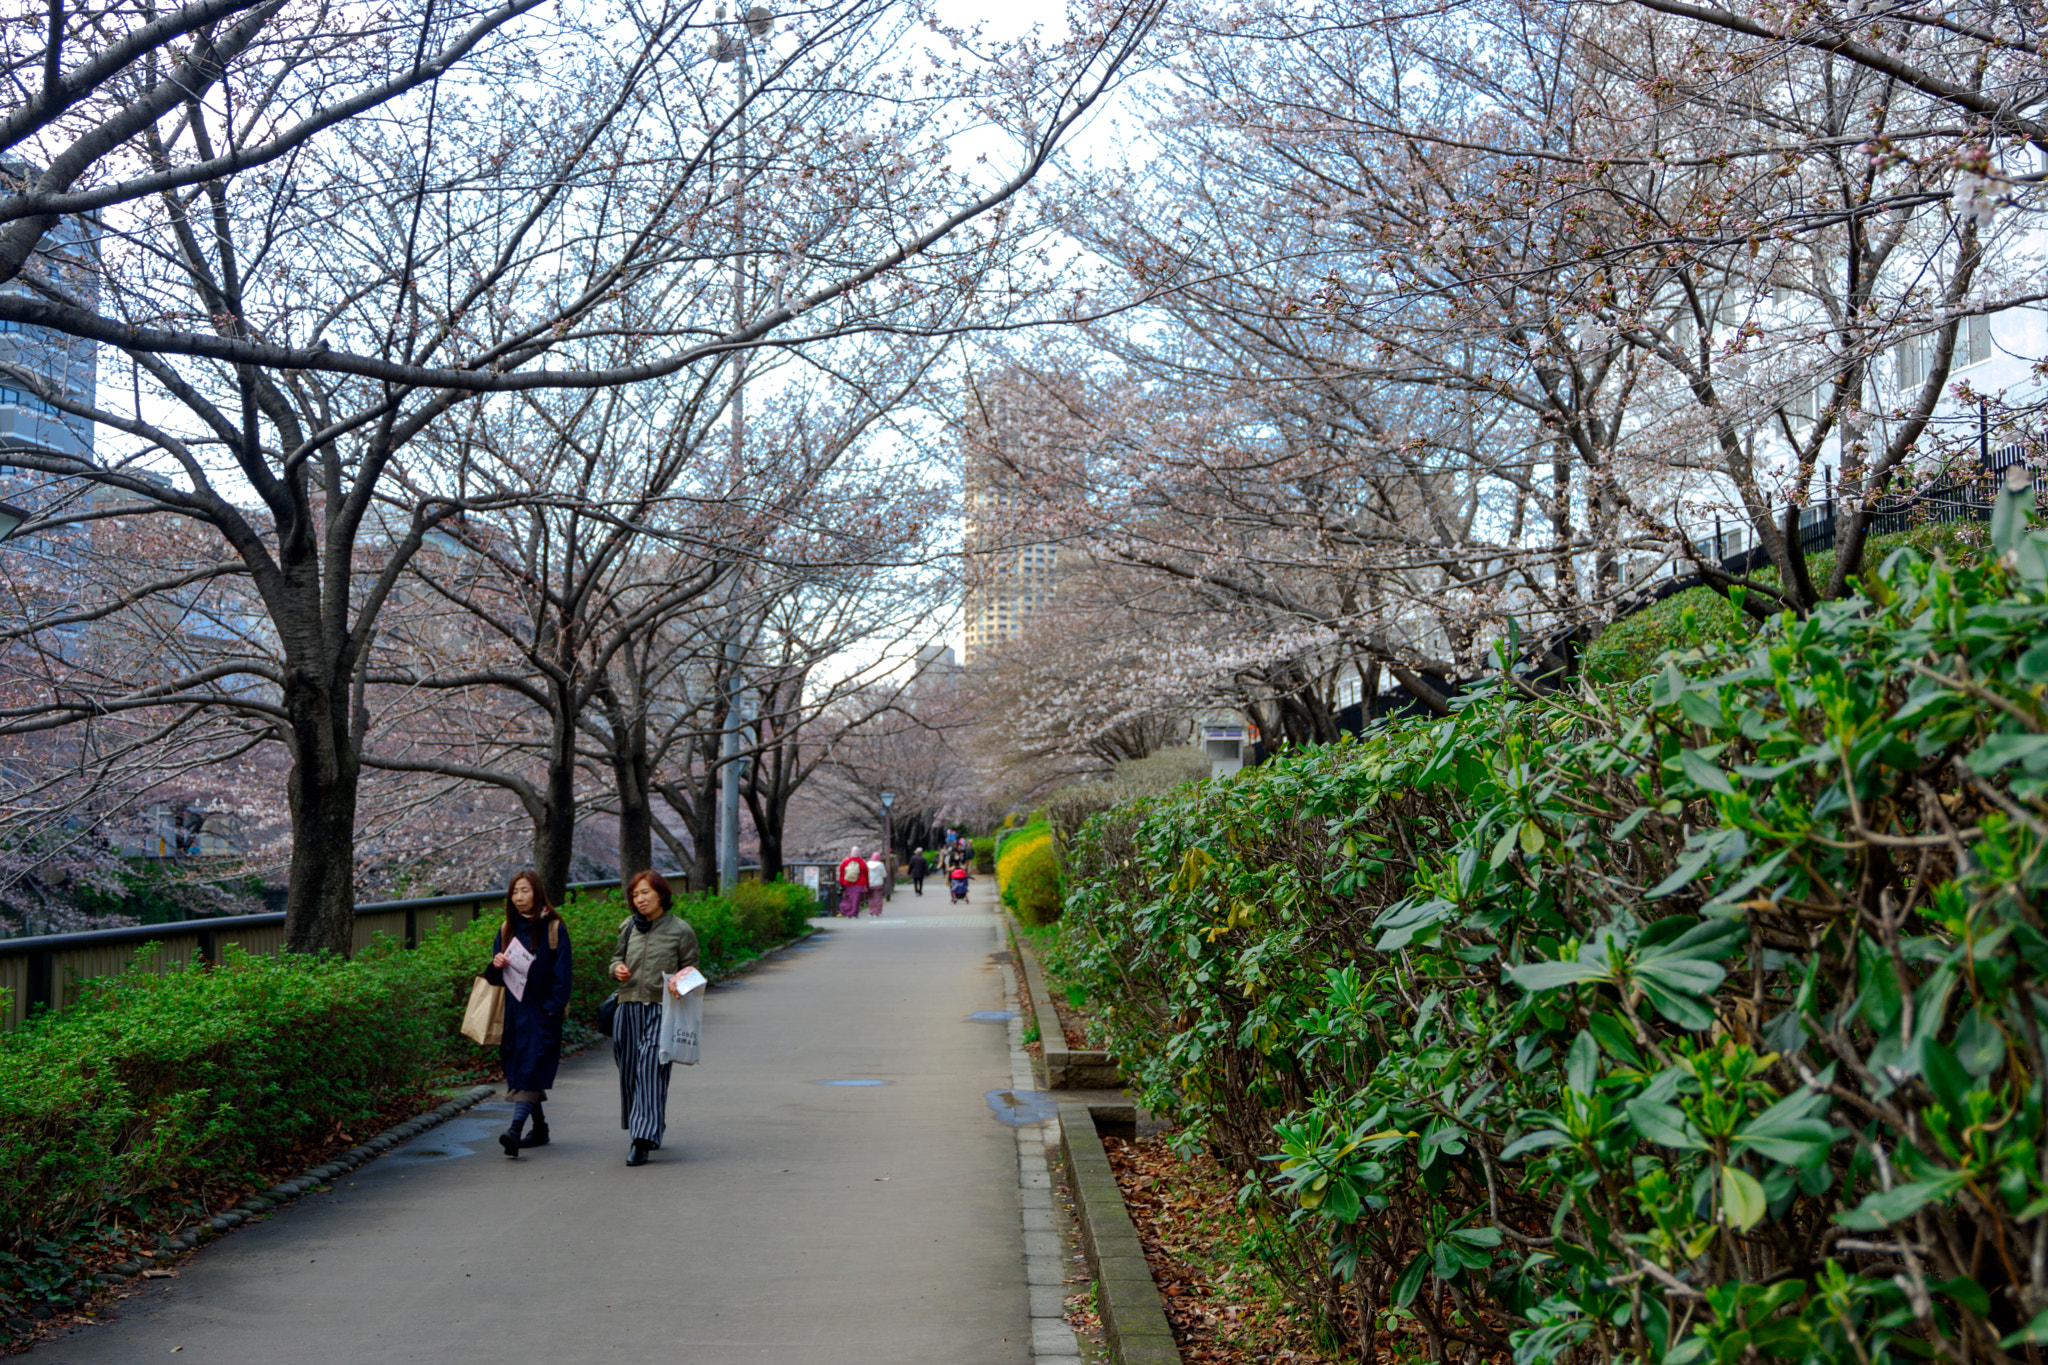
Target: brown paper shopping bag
483, 1020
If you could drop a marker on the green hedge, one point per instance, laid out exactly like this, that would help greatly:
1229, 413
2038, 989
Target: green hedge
984, 847
1028, 875
153, 1084
1698, 1019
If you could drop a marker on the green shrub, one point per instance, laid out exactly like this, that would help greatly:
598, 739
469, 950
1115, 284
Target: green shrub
1028, 875
985, 853
770, 912
1695, 1019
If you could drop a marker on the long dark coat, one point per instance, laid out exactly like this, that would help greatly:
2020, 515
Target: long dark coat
532, 1044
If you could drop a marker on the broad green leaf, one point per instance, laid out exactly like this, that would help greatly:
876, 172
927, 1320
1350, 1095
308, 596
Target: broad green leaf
1628, 824
1615, 1039
1742, 1199
1410, 1283
1900, 1202
1548, 976
1702, 771
1582, 1063
2033, 1334
1683, 1009
1664, 1124
1690, 864
1533, 1142
1690, 975
1790, 1131
1966, 1292
1945, 1076
1340, 1201
1701, 709
2003, 750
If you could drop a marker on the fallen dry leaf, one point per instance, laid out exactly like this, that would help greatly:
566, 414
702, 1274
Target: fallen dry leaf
1185, 1213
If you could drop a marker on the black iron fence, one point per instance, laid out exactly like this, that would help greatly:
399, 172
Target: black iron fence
1959, 496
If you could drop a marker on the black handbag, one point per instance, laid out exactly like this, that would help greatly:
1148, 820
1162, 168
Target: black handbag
607, 1013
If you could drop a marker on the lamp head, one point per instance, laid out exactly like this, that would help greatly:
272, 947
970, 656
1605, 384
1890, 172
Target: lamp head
888, 800
11, 518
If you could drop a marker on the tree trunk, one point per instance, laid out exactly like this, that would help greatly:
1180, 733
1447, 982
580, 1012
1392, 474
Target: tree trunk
320, 905
554, 828
766, 786
771, 851
700, 823
634, 780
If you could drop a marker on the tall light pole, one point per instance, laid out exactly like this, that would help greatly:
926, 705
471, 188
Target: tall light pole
888, 847
756, 23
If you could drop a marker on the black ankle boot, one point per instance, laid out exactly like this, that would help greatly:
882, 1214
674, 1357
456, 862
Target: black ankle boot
537, 1138
638, 1156
509, 1140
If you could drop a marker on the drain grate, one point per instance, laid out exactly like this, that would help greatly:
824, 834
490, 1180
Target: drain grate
991, 1017
854, 1080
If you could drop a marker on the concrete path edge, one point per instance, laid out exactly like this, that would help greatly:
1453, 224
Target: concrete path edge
1064, 1069
1126, 1298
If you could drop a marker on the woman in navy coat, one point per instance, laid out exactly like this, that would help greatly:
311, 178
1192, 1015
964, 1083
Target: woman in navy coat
532, 1044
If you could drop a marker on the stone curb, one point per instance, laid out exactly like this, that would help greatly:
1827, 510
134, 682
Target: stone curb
1133, 1318
1064, 1069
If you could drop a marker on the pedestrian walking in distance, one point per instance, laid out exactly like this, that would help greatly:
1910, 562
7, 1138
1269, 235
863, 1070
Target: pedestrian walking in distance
652, 943
853, 884
918, 868
878, 877
531, 1047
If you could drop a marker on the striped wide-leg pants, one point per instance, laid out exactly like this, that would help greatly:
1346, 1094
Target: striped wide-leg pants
643, 1078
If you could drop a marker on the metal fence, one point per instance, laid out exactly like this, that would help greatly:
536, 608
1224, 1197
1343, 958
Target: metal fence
47, 969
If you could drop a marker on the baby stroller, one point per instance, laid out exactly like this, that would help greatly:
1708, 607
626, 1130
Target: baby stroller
956, 880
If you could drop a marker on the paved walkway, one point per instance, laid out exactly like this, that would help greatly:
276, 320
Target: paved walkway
784, 1221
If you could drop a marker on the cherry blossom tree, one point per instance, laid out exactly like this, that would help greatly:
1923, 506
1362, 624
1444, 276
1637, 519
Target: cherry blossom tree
321, 234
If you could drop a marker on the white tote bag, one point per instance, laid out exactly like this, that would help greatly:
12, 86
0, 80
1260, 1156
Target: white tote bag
682, 1016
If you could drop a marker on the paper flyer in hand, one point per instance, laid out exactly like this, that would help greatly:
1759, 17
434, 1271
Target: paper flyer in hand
687, 980
518, 958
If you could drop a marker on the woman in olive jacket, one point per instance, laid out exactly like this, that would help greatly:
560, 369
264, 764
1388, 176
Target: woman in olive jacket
652, 943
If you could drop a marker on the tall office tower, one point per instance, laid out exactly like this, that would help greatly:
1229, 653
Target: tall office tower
68, 260
1010, 578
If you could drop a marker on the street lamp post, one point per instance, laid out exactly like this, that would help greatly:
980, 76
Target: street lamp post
725, 47
888, 847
